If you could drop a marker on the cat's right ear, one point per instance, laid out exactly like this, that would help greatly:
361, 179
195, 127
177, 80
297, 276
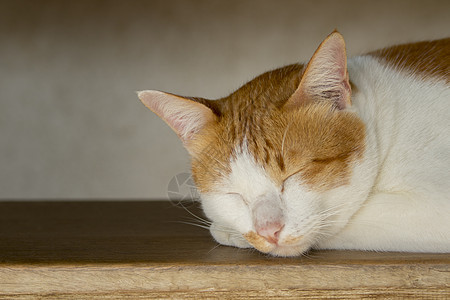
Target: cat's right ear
185, 116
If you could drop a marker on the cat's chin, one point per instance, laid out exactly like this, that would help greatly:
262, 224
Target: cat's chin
283, 250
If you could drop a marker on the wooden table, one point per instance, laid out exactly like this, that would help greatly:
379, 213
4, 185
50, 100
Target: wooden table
130, 249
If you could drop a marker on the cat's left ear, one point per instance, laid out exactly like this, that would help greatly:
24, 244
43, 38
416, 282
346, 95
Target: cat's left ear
184, 115
325, 77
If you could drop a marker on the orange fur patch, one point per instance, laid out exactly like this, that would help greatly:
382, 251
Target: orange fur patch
427, 59
322, 143
258, 242
315, 140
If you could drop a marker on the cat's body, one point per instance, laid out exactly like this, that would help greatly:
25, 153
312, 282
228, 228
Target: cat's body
408, 153
315, 156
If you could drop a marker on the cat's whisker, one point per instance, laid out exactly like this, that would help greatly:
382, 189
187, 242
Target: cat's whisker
332, 211
372, 224
309, 255
333, 208
198, 221
284, 138
211, 156
194, 224
214, 248
195, 216
228, 231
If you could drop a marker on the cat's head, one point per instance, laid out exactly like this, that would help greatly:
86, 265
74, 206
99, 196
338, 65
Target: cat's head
268, 158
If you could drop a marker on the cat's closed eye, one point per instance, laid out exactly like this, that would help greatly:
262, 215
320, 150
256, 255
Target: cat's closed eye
316, 160
325, 160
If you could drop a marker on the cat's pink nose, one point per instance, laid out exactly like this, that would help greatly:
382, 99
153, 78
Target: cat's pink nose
270, 231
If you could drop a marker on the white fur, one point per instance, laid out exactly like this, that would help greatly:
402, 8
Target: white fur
237, 195
407, 122
398, 198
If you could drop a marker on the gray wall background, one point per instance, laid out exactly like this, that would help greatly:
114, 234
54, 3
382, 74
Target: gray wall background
71, 126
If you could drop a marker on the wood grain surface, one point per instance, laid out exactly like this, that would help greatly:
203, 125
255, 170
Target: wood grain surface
137, 249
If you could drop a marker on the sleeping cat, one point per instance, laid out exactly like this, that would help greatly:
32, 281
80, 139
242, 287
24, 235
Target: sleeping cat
333, 154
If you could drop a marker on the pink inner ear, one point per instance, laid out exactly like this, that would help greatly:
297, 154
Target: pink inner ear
184, 125
326, 76
346, 93
184, 116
